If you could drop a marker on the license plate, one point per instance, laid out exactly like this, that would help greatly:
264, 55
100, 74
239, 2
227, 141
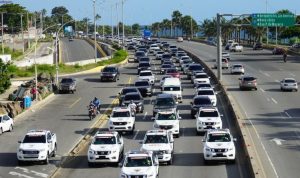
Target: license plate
250, 83
220, 154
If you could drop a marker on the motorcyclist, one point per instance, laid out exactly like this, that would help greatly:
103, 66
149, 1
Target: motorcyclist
284, 56
97, 103
132, 106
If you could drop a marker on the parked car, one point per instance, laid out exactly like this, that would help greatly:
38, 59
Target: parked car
248, 82
67, 85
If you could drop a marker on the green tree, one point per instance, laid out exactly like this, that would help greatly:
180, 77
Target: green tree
155, 27
189, 25
176, 19
136, 29
5, 79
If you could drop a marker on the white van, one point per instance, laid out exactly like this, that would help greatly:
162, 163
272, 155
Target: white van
172, 86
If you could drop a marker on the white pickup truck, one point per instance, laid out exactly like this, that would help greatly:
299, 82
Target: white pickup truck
37, 145
235, 47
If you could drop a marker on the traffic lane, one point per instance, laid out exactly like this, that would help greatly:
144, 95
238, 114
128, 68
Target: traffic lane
185, 163
76, 50
262, 131
65, 114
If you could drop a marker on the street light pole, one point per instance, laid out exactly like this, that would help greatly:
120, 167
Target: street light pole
118, 30
22, 33
2, 29
112, 23
123, 29
219, 47
95, 41
192, 28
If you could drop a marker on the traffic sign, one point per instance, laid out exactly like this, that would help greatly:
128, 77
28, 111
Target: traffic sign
273, 20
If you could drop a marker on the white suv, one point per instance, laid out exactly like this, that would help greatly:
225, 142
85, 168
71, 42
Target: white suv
200, 77
140, 164
160, 142
37, 145
219, 145
6, 123
121, 119
147, 75
153, 47
106, 147
168, 120
208, 118
209, 92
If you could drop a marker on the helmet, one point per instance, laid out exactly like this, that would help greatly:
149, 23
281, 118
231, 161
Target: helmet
95, 98
131, 101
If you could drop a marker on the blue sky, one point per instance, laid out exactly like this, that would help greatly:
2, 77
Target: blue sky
149, 11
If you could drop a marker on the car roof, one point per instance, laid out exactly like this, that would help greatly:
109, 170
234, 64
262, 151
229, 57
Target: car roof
165, 95
289, 79
136, 153
144, 71
208, 109
121, 109
218, 131
132, 93
157, 132
106, 133
37, 132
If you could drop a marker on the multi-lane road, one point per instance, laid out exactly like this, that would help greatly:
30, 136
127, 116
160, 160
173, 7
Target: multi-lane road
273, 116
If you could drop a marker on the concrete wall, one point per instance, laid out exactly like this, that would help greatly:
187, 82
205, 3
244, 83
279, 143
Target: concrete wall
41, 60
88, 61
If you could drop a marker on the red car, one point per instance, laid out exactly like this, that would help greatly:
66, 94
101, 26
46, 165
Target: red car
173, 72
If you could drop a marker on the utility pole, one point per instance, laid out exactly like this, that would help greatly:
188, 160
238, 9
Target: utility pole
219, 47
123, 29
95, 26
267, 27
2, 31
118, 30
22, 33
171, 28
41, 17
192, 33
28, 30
112, 23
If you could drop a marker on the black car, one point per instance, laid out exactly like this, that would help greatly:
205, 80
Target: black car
165, 46
165, 67
144, 59
164, 102
136, 98
166, 57
124, 91
198, 102
130, 47
257, 46
110, 73
173, 51
67, 85
143, 66
145, 87
193, 68
138, 55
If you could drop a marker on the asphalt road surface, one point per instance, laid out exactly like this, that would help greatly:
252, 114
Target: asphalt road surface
76, 50
188, 156
273, 116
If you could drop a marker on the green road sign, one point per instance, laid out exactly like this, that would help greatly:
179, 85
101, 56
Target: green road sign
273, 20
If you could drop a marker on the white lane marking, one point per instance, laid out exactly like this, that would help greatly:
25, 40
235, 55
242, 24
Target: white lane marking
286, 113
274, 100
280, 69
40, 174
292, 74
262, 90
278, 141
19, 174
145, 115
277, 81
266, 74
135, 135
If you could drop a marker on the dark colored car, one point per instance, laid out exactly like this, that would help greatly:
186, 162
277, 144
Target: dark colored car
278, 51
110, 73
126, 90
164, 102
145, 87
257, 46
165, 67
136, 98
144, 59
193, 68
166, 57
165, 46
179, 55
138, 55
173, 51
198, 102
143, 66
67, 85
130, 47
173, 72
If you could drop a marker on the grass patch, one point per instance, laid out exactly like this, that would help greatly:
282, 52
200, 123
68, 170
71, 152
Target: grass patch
15, 71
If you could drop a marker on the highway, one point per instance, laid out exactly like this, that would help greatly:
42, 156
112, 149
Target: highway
272, 116
76, 50
188, 156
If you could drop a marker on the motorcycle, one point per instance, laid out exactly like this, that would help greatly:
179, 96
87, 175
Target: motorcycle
284, 57
92, 112
133, 108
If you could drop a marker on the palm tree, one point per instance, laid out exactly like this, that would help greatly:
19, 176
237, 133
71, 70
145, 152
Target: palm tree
176, 20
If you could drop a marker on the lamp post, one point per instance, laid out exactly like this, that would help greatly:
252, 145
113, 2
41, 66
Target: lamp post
123, 30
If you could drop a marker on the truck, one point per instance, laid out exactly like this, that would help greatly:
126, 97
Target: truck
37, 145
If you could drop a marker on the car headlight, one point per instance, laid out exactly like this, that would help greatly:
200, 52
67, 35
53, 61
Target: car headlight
41, 150
123, 175
20, 150
218, 122
230, 149
156, 125
91, 151
208, 149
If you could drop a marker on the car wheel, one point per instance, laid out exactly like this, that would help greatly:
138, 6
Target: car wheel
11, 128
231, 161
91, 164
255, 88
20, 163
54, 151
207, 162
171, 161
177, 135
296, 90
46, 161
1, 131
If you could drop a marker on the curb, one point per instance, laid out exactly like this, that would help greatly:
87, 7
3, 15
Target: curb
97, 46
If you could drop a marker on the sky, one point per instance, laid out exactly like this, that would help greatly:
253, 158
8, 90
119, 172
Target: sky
147, 12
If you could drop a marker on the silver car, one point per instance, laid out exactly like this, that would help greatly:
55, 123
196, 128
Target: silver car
289, 84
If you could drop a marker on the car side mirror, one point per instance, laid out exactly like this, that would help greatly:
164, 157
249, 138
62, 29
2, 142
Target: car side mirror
19, 141
221, 115
234, 139
191, 103
203, 140
141, 142
179, 118
152, 118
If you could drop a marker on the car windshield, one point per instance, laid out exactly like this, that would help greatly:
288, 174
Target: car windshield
160, 52
165, 102
166, 56
66, 80
140, 54
237, 66
201, 76
205, 92
104, 141
156, 139
173, 47
209, 114
249, 78
145, 74
187, 61
181, 54
144, 59
202, 101
141, 83
132, 97
121, 114
138, 161
128, 90
171, 88
202, 85
219, 137
166, 66
34, 139
109, 69
195, 67
144, 64
289, 81
170, 116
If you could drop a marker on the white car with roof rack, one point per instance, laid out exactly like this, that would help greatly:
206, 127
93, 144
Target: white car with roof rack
208, 118
121, 119
200, 77
6, 123
106, 147
168, 120
160, 142
147, 75
37, 145
206, 91
219, 146
141, 164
